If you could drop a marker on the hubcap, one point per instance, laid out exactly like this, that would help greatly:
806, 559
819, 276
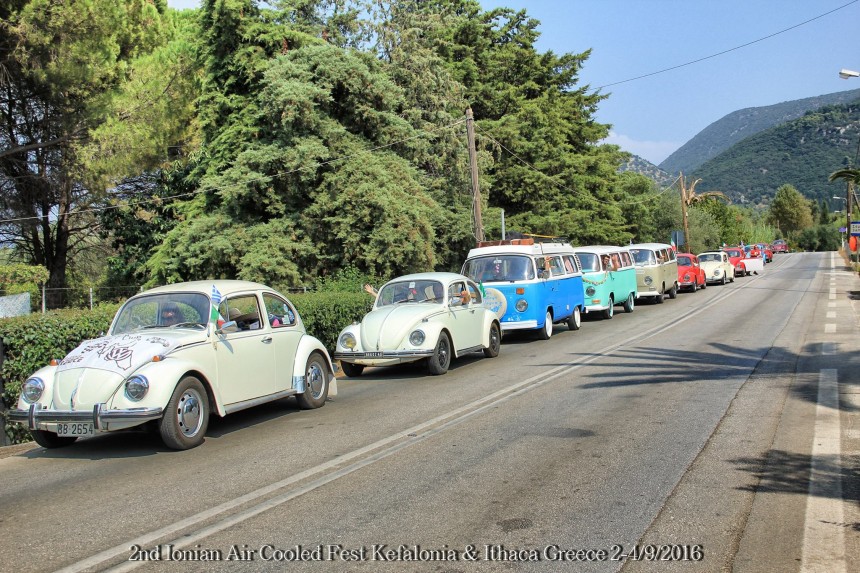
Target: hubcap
315, 380
443, 351
188, 413
577, 317
494, 338
548, 324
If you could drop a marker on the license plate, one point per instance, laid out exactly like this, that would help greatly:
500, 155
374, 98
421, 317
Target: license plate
373, 354
76, 429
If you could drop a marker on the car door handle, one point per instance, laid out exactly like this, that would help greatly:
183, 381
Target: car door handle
266, 339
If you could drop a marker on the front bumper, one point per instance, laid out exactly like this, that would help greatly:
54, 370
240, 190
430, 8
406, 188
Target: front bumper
383, 358
36, 418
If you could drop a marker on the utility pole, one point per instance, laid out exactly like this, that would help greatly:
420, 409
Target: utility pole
684, 200
473, 166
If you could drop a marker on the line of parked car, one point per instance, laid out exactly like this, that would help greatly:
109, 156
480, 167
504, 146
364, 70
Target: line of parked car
174, 355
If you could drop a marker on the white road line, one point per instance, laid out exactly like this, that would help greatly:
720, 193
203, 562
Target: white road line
824, 530
831, 314
829, 328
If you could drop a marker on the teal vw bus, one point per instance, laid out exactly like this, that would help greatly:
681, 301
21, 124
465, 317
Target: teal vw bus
608, 277
540, 282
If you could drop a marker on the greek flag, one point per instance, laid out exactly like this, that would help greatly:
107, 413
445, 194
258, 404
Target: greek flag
215, 295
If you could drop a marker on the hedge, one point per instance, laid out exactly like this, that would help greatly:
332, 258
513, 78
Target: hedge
30, 342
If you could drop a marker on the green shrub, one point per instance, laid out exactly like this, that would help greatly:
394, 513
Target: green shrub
325, 314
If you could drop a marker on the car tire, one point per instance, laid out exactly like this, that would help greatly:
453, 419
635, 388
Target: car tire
723, 281
351, 370
495, 341
186, 417
574, 321
674, 292
546, 332
659, 299
441, 359
732, 279
630, 303
316, 383
51, 440
609, 311
705, 284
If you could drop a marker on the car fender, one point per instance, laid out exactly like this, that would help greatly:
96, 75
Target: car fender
488, 321
163, 377
307, 346
431, 330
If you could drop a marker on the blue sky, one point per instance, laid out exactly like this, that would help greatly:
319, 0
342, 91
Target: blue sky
654, 115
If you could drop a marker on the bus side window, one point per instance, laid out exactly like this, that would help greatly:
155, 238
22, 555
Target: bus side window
625, 257
556, 266
569, 263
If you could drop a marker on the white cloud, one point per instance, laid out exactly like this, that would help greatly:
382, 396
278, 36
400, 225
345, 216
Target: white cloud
653, 151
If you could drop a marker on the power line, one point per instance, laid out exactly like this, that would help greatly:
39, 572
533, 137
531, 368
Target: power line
730, 49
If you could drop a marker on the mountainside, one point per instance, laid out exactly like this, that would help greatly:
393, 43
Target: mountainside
802, 152
642, 166
726, 132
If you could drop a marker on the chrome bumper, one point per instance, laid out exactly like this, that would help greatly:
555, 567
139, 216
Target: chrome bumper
99, 416
387, 354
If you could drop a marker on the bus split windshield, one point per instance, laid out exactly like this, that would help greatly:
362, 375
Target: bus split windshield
499, 268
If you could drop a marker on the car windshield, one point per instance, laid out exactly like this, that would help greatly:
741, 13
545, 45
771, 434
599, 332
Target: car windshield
164, 310
734, 253
685, 261
499, 268
589, 262
706, 257
643, 257
416, 291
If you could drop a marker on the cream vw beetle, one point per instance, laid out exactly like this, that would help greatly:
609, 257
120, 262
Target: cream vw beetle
425, 316
717, 266
172, 356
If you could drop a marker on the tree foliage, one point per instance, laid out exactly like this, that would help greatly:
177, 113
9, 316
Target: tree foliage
790, 211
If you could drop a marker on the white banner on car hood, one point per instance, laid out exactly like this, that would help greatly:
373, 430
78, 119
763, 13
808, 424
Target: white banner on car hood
121, 354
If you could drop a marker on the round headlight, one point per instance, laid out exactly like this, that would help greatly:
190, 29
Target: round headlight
32, 390
590, 291
347, 340
648, 280
521, 305
136, 387
716, 272
416, 338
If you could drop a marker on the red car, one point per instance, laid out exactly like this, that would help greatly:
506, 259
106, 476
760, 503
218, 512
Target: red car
780, 246
767, 251
690, 274
736, 257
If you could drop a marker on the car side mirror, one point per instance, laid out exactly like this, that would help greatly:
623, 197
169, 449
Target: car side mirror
228, 327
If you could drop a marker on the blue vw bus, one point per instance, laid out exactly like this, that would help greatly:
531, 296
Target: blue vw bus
609, 278
541, 282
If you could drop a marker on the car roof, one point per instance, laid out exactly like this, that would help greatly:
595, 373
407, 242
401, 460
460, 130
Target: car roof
440, 276
711, 253
224, 286
652, 246
599, 249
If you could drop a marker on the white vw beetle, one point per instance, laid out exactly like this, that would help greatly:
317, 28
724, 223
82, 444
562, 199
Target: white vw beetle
174, 355
424, 316
717, 266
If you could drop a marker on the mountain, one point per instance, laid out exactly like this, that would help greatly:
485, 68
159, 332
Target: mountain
802, 152
734, 127
642, 166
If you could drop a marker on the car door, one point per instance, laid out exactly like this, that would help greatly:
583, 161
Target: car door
286, 336
465, 323
245, 358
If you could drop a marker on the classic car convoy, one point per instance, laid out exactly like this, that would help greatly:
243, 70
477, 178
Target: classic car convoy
173, 356
432, 316
177, 354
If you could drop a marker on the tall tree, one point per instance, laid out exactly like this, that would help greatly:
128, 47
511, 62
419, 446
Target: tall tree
789, 210
66, 66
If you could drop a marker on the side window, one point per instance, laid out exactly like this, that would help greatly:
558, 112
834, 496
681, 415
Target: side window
243, 309
661, 256
456, 290
626, 260
671, 253
556, 266
474, 293
616, 261
278, 311
570, 263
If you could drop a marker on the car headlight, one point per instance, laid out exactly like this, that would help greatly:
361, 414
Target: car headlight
648, 280
686, 278
590, 291
521, 305
136, 387
32, 390
717, 272
347, 340
416, 338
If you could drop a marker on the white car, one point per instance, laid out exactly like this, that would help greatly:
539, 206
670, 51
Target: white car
174, 355
717, 266
426, 316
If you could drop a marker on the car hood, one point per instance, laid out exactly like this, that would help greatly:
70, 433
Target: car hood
93, 371
708, 266
386, 327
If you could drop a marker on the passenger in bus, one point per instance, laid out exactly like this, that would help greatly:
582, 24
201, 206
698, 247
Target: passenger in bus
607, 263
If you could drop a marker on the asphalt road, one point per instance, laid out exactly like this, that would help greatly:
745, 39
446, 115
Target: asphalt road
699, 431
